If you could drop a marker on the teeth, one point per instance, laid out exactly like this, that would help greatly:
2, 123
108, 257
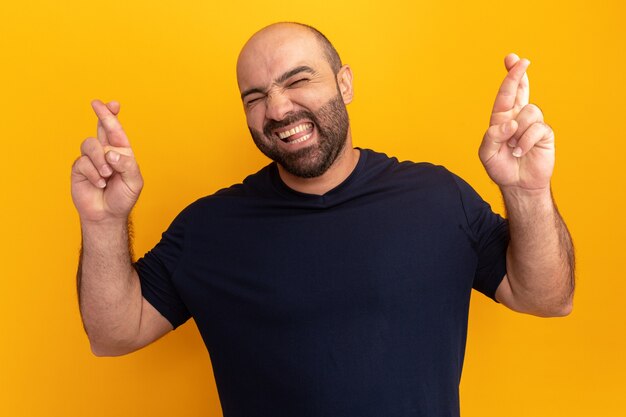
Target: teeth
302, 139
297, 129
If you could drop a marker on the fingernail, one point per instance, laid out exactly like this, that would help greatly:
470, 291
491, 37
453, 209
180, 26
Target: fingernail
512, 143
102, 183
106, 170
517, 152
113, 156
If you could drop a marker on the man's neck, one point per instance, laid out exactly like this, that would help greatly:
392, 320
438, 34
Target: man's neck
335, 175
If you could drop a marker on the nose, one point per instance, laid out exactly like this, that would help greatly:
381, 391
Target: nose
278, 106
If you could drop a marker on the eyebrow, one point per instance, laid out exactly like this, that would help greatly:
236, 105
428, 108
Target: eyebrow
281, 79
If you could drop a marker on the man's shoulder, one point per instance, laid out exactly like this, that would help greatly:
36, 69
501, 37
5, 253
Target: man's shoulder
254, 186
386, 167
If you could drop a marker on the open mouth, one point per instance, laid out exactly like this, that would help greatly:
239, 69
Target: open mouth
296, 134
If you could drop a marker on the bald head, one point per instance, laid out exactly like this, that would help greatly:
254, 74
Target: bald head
274, 35
329, 50
294, 92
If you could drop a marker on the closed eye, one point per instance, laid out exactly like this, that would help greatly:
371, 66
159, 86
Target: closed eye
298, 82
253, 100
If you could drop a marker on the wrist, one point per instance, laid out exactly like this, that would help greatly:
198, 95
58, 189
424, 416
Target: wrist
520, 193
104, 224
520, 202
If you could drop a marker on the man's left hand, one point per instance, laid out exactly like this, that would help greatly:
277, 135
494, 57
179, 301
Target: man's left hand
518, 148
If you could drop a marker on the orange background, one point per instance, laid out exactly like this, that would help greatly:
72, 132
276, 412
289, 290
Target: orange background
426, 73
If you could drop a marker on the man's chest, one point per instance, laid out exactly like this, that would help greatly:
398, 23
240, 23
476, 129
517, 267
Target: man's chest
298, 264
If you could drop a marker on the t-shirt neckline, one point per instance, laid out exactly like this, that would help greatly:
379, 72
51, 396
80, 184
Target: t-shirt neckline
285, 190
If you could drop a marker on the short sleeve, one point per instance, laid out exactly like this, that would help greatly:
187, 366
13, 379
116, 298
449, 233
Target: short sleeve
156, 269
491, 237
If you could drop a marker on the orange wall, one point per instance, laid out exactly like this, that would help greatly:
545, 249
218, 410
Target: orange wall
426, 73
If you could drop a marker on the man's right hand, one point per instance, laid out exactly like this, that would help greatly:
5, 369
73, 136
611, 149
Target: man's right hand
106, 181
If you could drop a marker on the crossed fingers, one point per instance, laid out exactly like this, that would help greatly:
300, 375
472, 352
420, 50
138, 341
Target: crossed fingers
100, 153
514, 121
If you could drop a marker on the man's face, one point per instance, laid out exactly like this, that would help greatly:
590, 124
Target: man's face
294, 108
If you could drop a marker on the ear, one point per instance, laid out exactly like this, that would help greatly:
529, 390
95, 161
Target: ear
344, 81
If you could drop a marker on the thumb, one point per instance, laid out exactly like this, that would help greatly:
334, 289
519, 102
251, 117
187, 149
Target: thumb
123, 162
495, 137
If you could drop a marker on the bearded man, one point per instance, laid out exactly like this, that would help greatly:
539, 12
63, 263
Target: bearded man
335, 281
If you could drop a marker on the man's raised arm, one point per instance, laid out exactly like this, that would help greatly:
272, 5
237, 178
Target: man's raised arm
106, 183
518, 154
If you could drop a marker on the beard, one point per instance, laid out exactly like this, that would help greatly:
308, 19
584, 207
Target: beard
331, 122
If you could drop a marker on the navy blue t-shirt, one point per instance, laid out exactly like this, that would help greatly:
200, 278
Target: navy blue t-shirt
354, 303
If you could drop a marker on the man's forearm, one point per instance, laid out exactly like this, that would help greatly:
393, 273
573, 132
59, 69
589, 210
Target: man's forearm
108, 287
540, 257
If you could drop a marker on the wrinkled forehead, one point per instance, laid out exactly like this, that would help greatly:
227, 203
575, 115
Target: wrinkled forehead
267, 55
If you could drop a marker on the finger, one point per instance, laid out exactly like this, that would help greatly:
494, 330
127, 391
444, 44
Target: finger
84, 167
528, 116
523, 92
507, 94
114, 107
495, 136
510, 60
112, 127
92, 149
127, 167
120, 150
533, 135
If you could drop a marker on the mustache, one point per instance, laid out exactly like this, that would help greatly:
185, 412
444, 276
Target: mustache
272, 125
